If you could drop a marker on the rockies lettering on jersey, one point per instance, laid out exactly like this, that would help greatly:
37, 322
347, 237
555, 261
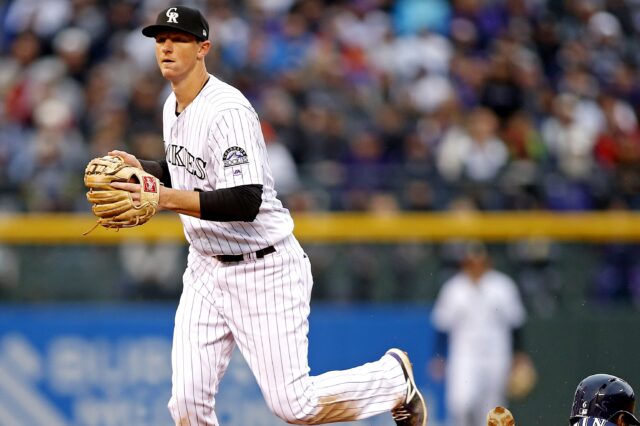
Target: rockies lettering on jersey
179, 156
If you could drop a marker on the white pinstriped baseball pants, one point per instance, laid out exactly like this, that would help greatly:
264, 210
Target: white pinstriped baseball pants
262, 305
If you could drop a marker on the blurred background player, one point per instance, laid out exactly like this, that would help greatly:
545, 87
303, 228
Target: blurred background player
477, 310
604, 400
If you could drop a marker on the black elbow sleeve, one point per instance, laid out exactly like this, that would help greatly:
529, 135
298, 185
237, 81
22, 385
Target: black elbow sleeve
517, 339
240, 203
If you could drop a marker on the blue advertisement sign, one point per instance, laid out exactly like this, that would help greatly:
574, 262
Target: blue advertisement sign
110, 365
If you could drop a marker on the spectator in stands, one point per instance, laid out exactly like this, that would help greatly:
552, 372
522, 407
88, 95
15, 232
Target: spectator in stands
500, 92
569, 143
528, 162
366, 166
475, 152
47, 166
617, 149
474, 155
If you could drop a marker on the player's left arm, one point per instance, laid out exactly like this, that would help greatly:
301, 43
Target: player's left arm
239, 195
186, 202
240, 203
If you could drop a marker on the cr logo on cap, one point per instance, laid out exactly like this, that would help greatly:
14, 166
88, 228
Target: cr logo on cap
172, 15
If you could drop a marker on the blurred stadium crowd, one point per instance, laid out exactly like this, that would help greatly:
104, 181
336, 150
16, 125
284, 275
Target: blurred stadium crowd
367, 105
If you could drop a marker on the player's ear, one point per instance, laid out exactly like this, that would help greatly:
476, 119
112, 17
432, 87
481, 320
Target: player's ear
204, 49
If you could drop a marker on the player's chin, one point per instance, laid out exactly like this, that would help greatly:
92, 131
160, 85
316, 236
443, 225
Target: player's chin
168, 71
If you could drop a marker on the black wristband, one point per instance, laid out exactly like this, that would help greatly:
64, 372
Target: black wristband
240, 203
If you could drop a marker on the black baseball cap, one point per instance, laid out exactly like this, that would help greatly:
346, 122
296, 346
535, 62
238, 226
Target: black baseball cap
179, 18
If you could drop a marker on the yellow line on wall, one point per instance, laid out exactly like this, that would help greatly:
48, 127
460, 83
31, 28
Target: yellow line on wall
596, 227
346, 227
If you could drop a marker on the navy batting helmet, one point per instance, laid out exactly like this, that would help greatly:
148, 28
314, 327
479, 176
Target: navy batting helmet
605, 397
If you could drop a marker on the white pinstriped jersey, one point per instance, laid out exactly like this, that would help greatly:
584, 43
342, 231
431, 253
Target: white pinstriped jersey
217, 143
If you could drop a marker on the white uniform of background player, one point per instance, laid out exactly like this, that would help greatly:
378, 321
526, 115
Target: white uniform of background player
258, 302
477, 308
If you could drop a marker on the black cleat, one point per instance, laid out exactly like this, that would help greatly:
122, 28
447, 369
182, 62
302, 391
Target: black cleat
412, 411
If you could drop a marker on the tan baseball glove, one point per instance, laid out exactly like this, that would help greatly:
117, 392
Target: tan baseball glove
114, 207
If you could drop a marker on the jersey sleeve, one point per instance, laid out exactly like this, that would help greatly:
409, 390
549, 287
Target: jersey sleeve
238, 147
507, 301
513, 310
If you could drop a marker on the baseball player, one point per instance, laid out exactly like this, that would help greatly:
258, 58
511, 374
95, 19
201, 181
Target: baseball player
477, 309
248, 281
603, 400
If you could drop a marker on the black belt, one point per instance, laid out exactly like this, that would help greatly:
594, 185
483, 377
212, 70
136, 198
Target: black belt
240, 257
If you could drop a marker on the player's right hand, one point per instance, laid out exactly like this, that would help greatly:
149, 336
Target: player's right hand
129, 159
